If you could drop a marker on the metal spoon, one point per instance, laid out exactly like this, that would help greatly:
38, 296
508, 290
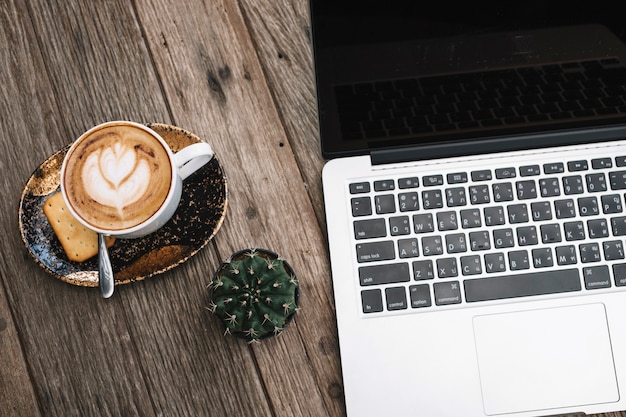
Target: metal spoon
105, 270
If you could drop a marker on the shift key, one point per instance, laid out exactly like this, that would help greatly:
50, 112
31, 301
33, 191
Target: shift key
384, 274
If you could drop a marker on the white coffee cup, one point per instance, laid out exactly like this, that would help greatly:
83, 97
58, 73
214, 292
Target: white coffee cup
121, 179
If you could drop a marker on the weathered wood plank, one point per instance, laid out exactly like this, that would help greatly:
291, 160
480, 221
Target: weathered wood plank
281, 33
17, 397
24, 113
239, 75
269, 205
145, 351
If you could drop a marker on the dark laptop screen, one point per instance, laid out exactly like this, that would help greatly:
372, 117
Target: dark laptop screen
398, 73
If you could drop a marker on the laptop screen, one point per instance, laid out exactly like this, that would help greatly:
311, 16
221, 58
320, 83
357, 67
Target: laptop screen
398, 73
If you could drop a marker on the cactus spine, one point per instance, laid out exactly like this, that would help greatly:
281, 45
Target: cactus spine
255, 294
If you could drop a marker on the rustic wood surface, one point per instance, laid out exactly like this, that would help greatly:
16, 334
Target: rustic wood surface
239, 75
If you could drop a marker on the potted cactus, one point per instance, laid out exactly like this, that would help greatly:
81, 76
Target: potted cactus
255, 294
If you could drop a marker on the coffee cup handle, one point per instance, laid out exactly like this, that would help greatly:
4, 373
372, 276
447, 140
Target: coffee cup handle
192, 158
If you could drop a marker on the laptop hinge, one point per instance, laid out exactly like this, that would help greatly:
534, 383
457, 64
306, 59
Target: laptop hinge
494, 145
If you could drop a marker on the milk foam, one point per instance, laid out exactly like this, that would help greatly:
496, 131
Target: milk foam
116, 176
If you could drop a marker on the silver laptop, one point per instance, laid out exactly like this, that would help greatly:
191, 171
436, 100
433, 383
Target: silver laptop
475, 203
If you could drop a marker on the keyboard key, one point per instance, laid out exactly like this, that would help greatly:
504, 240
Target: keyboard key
482, 175
494, 216
618, 225
432, 245
404, 183
447, 293
541, 211
456, 243
566, 255
361, 206
371, 228
495, 262
447, 220
618, 180
518, 260
408, 248
550, 233
518, 213
526, 189
457, 178
598, 228
503, 238
502, 173
455, 197
529, 170
375, 251
384, 185
588, 206
479, 240
573, 185
601, 163
589, 252
470, 265
554, 168
423, 270
396, 298
372, 301
470, 218
359, 188
479, 194
619, 274
527, 235
432, 199
542, 258
447, 268
408, 202
419, 296
549, 187
597, 277
432, 180
522, 285
611, 204
384, 274
385, 204
574, 166
574, 230
564, 209
423, 223
502, 192
613, 250
399, 226
596, 182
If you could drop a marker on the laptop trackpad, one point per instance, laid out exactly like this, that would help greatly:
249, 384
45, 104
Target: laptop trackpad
545, 359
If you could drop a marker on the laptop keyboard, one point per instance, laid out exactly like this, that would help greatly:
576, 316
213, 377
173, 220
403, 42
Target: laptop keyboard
481, 100
444, 238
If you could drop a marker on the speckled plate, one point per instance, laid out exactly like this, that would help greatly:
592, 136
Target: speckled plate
198, 218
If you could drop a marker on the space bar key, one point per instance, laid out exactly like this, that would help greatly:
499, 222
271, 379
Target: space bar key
522, 285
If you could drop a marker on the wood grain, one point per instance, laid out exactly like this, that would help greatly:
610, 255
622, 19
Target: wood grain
269, 204
238, 73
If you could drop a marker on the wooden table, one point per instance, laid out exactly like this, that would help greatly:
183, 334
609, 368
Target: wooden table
239, 75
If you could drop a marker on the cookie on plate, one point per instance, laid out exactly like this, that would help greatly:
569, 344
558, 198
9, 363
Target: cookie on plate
79, 243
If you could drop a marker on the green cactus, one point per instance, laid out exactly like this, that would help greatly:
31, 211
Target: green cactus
255, 294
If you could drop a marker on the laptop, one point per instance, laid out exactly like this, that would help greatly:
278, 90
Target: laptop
475, 203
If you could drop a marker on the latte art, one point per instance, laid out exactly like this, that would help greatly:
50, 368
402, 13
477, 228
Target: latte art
117, 177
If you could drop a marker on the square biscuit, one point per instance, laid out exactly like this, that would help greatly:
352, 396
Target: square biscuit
79, 243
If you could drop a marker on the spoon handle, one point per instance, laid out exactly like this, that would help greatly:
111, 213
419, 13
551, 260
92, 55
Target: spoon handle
105, 270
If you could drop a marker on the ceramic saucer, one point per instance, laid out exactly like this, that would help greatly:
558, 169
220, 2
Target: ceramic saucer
198, 218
